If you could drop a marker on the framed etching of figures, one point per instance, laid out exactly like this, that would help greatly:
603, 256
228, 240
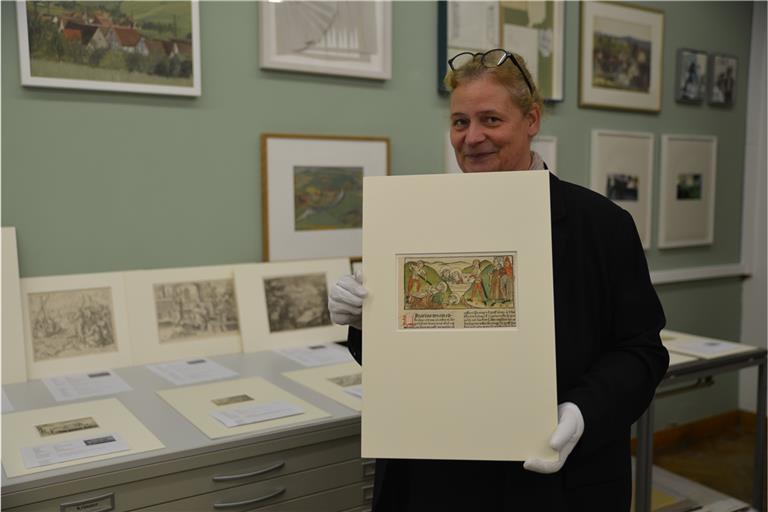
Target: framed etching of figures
688, 175
331, 38
286, 303
13, 358
622, 170
183, 312
621, 57
75, 323
691, 76
132, 46
722, 80
312, 193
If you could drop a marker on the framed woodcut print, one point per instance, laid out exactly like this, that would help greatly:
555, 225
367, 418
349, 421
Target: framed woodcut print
722, 80
333, 38
621, 57
132, 46
688, 174
312, 193
691, 77
622, 170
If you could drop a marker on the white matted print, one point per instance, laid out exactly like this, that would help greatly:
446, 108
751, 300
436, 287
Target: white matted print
622, 170
544, 145
334, 38
14, 361
286, 304
131, 46
75, 323
688, 175
312, 203
341, 382
182, 312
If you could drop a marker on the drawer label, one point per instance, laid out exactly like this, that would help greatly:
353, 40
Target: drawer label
103, 503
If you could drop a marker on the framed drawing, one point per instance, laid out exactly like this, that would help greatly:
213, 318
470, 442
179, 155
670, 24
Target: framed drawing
182, 312
688, 175
286, 304
622, 170
722, 80
535, 30
691, 76
331, 38
14, 361
312, 193
621, 57
75, 323
340, 382
132, 46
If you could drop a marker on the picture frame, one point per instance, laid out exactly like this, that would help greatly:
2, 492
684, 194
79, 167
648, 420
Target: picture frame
722, 79
692, 76
136, 49
329, 38
75, 323
688, 178
311, 193
14, 363
182, 312
621, 168
608, 78
285, 304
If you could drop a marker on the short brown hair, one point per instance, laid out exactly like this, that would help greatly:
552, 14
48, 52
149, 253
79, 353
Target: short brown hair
506, 75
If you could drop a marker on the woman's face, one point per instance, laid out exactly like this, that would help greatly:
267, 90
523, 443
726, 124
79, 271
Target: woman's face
488, 131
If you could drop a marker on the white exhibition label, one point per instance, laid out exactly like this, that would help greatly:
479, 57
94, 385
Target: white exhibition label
7, 405
191, 371
245, 415
53, 453
355, 390
317, 355
85, 385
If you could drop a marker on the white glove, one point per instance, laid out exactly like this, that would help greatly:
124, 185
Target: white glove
345, 301
570, 426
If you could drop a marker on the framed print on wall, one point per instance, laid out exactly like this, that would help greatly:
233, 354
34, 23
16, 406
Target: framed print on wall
687, 206
622, 170
722, 80
331, 38
621, 57
691, 76
132, 46
312, 193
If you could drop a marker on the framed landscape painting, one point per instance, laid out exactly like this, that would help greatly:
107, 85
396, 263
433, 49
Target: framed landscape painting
621, 57
312, 193
131, 46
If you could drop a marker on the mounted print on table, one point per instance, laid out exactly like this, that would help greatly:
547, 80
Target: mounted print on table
722, 80
687, 206
621, 57
132, 46
691, 82
332, 38
312, 193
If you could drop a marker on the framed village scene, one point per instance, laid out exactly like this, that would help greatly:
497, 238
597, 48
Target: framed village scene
132, 46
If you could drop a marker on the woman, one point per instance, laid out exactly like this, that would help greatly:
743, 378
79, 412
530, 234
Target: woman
607, 322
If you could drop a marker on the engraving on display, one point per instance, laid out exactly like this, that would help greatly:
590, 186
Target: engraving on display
197, 309
60, 427
71, 323
297, 302
346, 381
236, 399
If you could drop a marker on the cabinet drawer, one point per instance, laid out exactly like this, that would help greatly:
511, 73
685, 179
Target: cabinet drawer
270, 492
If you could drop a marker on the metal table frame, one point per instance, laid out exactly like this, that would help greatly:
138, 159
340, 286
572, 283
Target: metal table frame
703, 369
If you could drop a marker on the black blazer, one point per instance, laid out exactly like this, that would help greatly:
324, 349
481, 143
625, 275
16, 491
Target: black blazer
609, 361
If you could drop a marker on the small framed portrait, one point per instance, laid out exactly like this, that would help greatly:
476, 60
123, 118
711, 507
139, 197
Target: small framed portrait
722, 80
691, 78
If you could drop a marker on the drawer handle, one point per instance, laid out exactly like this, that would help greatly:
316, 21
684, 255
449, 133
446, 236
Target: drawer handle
236, 504
260, 471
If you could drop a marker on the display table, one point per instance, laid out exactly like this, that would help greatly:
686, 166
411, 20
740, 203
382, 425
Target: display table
312, 466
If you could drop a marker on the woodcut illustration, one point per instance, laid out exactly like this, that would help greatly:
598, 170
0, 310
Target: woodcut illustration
60, 427
198, 309
346, 381
463, 291
236, 399
71, 323
328, 197
296, 302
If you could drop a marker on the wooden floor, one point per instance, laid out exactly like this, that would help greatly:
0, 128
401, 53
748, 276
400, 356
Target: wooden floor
723, 461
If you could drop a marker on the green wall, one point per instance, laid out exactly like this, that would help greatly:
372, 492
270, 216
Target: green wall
101, 181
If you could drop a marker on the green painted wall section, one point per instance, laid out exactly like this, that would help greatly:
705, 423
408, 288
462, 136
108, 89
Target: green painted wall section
101, 181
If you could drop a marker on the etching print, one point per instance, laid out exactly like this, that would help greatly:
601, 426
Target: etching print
297, 302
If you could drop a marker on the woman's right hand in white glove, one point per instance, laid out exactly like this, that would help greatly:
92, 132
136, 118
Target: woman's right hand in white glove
345, 301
